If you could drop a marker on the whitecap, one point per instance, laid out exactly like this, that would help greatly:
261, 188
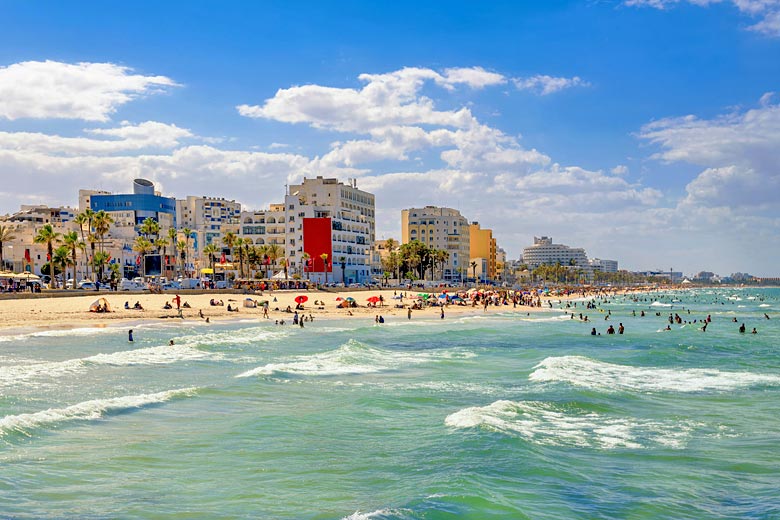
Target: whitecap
85, 411
554, 425
351, 358
379, 513
659, 304
589, 373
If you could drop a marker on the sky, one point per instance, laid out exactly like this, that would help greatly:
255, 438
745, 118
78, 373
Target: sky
645, 131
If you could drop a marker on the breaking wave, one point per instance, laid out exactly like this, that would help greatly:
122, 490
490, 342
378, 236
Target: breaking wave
589, 373
87, 411
353, 357
554, 425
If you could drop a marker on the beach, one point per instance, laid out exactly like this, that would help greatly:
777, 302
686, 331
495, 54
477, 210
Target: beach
73, 310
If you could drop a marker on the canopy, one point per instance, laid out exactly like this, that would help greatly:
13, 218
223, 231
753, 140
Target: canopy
207, 270
278, 276
301, 298
100, 303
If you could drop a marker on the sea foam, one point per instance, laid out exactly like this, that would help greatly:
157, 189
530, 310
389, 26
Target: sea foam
86, 411
589, 373
554, 425
354, 358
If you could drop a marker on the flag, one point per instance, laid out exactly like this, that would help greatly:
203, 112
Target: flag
223, 259
267, 260
48, 257
27, 256
108, 259
138, 260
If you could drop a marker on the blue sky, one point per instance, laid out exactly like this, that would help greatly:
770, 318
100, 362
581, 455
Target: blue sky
647, 131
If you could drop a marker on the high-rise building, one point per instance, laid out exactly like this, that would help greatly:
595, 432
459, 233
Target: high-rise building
605, 266
483, 246
318, 217
440, 228
206, 217
543, 251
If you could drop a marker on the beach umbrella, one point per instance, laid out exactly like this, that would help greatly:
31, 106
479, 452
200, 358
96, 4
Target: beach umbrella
301, 298
350, 299
373, 299
424, 296
339, 298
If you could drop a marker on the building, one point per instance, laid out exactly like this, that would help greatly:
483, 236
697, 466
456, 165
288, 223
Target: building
543, 251
483, 246
440, 228
21, 253
318, 217
605, 266
208, 218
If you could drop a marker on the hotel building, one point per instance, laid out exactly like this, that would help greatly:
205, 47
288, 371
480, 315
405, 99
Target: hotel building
483, 247
440, 228
545, 252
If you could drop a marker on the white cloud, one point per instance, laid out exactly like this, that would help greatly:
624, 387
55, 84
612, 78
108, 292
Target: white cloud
545, 85
88, 91
126, 138
768, 11
620, 169
740, 151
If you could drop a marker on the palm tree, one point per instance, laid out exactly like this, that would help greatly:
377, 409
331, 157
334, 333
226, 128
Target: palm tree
305, 259
143, 246
238, 243
209, 250
6, 235
172, 235
474, 270
324, 257
162, 244
150, 228
71, 241
62, 259
99, 260
85, 217
102, 222
47, 235
187, 232
274, 252
343, 262
181, 246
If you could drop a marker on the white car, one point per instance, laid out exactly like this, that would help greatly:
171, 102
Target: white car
86, 285
130, 285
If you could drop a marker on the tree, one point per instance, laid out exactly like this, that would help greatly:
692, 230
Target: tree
324, 257
209, 250
181, 246
343, 262
47, 235
161, 244
102, 222
61, 258
305, 257
143, 246
473, 265
172, 236
71, 241
99, 260
187, 232
274, 252
238, 243
6, 235
85, 217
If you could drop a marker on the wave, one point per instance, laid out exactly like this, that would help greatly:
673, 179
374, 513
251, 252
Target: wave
161, 355
87, 411
352, 358
589, 373
554, 425
659, 304
58, 333
375, 515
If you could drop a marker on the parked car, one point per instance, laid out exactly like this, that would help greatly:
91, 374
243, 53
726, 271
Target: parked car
87, 285
130, 285
222, 284
170, 286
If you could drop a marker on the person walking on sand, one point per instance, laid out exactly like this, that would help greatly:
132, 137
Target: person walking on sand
177, 299
409, 314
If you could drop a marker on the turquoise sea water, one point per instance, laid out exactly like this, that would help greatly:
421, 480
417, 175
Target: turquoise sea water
496, 415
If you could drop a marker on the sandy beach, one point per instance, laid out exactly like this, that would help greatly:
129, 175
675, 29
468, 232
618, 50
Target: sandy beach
73, 311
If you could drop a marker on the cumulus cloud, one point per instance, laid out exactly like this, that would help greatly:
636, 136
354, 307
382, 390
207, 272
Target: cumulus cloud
544, 85
740, 151
767, 11
87, 91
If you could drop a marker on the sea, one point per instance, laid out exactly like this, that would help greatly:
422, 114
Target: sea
498, 414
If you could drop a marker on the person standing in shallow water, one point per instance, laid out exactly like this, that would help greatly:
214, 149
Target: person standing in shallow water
130, 335
409, 314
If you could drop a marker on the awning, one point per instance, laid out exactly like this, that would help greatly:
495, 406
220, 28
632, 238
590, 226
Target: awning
207, 270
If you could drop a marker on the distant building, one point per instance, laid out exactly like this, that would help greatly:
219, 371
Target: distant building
440, 228
21, 253
605, 266
318, 217
208, 218
483, 246
544, 252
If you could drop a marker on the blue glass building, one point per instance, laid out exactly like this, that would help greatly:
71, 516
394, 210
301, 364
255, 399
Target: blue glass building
143, 202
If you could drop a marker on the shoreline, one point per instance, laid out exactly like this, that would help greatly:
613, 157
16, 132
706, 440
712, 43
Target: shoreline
41, 314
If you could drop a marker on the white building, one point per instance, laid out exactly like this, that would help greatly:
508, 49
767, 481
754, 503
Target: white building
545, 252
350, 214
21, 253
605, 266
440, 228
207, 217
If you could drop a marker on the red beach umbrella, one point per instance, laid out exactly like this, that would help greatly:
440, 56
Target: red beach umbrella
373, 299
301, 299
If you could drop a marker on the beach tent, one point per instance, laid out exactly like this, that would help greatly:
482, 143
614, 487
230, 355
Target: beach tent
249, 303
278, 276
100, 303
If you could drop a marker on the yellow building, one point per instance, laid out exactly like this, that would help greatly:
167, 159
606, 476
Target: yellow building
440, 228
483, 245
